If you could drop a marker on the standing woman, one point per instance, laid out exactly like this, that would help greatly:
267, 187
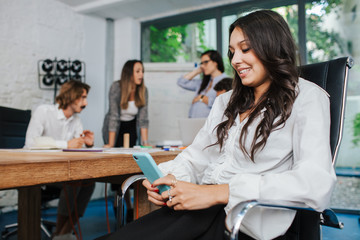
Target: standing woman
212, 67
128, 107
257, 143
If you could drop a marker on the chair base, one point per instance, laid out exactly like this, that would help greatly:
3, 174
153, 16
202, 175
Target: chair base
45, 225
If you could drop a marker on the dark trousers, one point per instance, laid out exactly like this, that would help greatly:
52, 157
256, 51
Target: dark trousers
165, 223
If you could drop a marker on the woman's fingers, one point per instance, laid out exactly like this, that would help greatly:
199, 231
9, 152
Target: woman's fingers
167, 180
156, 201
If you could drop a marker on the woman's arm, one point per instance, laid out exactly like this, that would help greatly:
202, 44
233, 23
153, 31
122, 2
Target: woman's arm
114, 112
193, 73
144, 136
111, 140
187, 82
143, 121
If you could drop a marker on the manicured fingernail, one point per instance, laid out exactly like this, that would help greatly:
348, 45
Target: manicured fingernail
164, 203
152, 185
156, 190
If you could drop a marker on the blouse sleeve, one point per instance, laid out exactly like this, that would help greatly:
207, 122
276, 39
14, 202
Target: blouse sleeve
312, 177
143, 112
191, 85
114, 106
190, 164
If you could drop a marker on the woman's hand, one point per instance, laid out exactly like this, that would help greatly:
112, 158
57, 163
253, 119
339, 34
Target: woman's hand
153, 194
193, 73
189, 196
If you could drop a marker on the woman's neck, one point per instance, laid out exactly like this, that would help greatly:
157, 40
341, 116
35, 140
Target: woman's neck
216, 73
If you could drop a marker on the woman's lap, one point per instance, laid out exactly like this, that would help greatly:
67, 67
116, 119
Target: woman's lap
166, 223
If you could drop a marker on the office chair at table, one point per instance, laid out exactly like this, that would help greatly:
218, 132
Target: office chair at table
13, 126
332, 76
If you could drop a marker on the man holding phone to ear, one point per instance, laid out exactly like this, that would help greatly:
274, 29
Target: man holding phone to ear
61, 122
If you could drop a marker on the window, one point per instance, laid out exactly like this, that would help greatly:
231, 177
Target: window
182, 43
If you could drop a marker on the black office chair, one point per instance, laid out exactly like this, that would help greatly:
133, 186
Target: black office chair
332, 76
13, 126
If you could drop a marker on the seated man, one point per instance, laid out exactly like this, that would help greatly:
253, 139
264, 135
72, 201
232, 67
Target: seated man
62, 123
223, 86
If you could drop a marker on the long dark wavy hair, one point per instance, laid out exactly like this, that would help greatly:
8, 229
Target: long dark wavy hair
270, 38
216, 57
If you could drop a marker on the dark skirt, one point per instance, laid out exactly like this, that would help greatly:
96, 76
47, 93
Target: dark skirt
127, 127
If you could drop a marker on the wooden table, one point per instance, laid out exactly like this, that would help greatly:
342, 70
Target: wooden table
27, 170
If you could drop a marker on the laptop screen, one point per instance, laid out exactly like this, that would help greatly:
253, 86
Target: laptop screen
189, 127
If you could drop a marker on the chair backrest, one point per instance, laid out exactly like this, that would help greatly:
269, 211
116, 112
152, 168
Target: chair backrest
13, 126
332, 76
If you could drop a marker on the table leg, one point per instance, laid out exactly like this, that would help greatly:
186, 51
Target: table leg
144, 205
29, 203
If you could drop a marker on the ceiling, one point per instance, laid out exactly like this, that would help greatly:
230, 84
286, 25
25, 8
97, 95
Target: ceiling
141, 9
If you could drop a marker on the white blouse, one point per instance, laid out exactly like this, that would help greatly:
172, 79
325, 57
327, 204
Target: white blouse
129, 113
295, 164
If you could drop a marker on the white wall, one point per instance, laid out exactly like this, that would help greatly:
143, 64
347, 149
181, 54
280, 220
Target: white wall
94, 57
127, 43
30, 31
34, 30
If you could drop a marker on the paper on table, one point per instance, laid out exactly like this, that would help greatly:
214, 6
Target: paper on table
130, 150
44, 143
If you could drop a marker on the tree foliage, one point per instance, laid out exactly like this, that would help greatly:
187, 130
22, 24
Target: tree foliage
322, 43
166, 43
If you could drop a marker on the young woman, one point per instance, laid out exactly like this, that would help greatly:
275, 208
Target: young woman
128, 104
257, 143
212, 68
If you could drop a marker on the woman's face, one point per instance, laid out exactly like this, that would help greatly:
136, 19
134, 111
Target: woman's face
138, 75
247, 65
208, 66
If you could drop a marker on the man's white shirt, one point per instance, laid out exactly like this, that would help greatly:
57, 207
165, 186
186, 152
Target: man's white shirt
50, 121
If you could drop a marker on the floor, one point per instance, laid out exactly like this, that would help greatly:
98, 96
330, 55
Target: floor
94, 223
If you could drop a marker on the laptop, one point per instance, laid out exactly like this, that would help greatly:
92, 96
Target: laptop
189, 127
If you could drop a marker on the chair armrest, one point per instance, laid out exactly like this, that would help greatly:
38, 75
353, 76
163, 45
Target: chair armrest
120, 215
130, 180
237, 214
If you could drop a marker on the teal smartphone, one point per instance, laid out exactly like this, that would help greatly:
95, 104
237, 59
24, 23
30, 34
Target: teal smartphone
149, 168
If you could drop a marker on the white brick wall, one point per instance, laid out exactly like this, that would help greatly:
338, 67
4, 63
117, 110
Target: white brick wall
31, 30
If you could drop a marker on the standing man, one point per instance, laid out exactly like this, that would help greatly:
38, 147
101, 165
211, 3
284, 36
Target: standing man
62, 123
